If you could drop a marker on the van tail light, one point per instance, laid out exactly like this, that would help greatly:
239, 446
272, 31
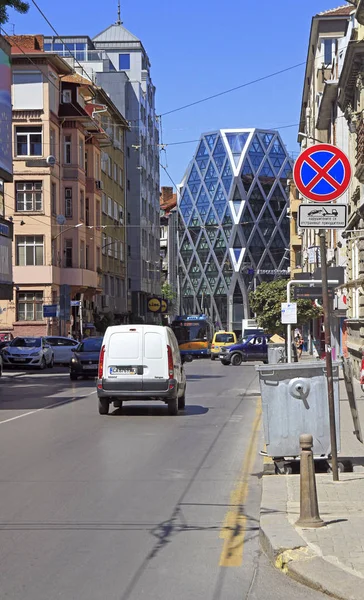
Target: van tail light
170, 363
101, 362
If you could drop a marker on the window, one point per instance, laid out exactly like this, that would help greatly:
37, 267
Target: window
54, 198
109, 207
27, 90
87, 215
29, 196
87, 257
67, 149
109, 245
121, 177
98, 263
68, 203
129, 250
28, 141
67, 96
97, 166
104, 203
82, 255
124, 62
29, 250
81, 153
98, 215
82, 205
109, 166
116, 211
86, 164
128, 185
52, 142
29, 306
112, 286
68, 253
104, 159
327, 51
115, 172
121, 252
129, 218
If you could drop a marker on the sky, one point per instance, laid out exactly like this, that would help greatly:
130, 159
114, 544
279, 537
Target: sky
198, 48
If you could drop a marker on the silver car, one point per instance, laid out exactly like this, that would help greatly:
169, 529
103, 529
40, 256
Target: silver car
62, 348
28, 352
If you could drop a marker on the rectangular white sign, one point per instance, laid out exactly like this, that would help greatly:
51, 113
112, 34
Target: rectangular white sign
288, 313
324, 216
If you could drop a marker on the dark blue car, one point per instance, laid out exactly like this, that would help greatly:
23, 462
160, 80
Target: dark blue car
251, 348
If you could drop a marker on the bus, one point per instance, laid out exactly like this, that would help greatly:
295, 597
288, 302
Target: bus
194, 334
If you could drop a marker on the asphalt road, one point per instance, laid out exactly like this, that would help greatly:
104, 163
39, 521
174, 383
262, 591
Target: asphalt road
136, 504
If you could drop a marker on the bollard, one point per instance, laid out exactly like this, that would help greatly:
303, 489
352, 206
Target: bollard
309, 513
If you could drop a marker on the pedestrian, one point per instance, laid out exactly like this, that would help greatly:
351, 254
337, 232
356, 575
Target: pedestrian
299, 341
69, 335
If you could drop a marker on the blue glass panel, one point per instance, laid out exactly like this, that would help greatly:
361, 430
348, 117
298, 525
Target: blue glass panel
256, 200
203, 204
277, 155
227, 176
237, 142
202, 164
186, 205
194, 181
219, 155
210, 139
47, 47
247, 175
124, 62
256, 153
266, 170
211, 179
58, 47
211, 219
194, 187
194, 220
266, 225
286, 172
219, 202
202, 151
267, 138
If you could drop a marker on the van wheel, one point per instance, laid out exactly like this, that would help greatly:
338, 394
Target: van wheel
103, 406
173, 406
236, 360
182, 401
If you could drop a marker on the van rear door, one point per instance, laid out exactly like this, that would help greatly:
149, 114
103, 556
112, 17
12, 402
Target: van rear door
155, 376
124, 360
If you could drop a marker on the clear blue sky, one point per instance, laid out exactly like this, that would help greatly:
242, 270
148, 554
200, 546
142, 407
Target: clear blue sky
201, 47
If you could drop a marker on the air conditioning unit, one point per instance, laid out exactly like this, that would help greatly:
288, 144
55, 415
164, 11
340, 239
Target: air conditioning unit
99, 184
105, 301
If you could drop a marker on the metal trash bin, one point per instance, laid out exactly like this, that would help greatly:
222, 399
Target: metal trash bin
295, 401
276, 353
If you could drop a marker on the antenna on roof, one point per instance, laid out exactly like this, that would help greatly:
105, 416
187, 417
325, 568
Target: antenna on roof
119, 21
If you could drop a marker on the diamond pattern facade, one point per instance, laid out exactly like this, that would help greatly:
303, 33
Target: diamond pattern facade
232, 221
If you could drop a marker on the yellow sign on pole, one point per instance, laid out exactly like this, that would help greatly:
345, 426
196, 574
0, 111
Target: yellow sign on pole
154, 305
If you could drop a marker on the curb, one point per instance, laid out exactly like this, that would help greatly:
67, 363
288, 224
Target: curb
288, 551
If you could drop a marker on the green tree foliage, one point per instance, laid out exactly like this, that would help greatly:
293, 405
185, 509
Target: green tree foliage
167, 291
18, 5
266, 303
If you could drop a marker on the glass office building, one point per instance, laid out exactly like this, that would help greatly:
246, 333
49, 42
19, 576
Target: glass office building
233, 225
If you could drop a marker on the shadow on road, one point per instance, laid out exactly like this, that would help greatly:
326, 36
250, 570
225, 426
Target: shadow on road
190, 377
156, 410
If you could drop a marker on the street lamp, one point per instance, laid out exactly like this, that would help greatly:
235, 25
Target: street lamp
65, 230
309, 137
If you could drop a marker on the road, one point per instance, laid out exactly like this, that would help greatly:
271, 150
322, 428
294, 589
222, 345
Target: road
136, 504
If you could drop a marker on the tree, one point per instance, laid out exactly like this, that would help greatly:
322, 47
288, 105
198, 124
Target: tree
18, 5
266, 303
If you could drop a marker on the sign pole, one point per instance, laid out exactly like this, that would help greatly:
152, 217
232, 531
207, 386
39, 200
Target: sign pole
330, 382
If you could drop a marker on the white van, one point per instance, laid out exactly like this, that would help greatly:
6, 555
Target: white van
140, 362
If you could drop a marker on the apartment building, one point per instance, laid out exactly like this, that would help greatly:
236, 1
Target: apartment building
56, 197
116, 60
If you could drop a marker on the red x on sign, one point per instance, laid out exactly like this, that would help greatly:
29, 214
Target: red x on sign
322, 173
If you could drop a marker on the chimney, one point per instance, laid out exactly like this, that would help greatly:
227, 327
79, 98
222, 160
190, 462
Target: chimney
166, 194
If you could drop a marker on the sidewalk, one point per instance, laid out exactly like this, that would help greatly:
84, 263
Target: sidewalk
331, 558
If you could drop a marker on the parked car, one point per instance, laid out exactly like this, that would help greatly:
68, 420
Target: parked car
221, 339
253, 347
28, 352
141, 362
85, 359
62, 348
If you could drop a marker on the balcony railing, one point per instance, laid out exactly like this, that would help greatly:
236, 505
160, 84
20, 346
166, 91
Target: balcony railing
359, 166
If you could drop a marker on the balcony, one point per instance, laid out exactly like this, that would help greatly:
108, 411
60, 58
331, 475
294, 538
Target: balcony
82, 278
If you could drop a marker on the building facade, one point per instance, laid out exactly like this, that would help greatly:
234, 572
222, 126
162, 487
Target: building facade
117, 61
322, 120
169, 246
233, 226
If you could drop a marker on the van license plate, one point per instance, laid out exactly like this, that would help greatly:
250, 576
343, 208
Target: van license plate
123, 370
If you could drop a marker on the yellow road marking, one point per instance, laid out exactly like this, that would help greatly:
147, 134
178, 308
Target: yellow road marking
233, 529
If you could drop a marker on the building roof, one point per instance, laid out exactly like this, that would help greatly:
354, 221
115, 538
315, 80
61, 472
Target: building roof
339, 11
77, 78
115, 33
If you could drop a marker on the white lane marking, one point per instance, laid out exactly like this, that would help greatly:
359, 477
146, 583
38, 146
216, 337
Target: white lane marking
32, 412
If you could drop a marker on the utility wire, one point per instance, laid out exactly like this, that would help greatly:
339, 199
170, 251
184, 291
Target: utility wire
238, 87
